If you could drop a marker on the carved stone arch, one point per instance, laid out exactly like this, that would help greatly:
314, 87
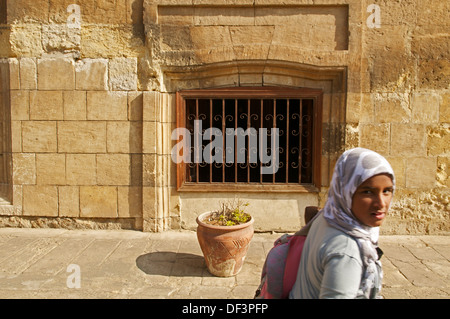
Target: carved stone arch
254, 73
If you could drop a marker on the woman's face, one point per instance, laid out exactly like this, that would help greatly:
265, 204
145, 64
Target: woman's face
371, 200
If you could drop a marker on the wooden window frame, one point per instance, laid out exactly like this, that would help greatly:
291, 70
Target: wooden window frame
254, 93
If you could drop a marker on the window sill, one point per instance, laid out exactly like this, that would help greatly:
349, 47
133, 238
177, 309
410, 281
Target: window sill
251, 188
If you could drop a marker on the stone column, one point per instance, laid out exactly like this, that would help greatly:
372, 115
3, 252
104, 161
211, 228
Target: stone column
158, 118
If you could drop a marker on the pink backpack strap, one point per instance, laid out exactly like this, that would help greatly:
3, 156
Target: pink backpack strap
271, 286
296, 244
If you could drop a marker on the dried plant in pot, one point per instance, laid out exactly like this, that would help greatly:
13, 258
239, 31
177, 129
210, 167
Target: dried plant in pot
224, 237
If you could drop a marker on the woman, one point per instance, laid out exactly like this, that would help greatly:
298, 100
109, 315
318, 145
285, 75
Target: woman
340, 258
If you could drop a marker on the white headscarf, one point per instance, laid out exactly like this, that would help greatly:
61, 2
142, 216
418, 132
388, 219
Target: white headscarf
353, 168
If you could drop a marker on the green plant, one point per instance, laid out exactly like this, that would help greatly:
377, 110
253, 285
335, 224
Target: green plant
230, 214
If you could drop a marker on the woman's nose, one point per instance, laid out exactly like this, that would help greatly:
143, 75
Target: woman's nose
380, 201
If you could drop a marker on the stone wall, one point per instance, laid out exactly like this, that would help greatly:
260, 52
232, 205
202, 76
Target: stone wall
405, 106
88, 102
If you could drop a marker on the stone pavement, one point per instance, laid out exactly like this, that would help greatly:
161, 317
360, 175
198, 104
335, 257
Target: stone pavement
45, 263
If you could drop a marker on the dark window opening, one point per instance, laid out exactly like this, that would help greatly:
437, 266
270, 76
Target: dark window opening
244, 120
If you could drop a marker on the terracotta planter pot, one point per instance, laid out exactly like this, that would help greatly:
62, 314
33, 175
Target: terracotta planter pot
224, 247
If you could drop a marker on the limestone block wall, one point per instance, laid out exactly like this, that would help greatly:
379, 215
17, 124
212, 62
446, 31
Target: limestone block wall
75, 112
404, 109
87, 97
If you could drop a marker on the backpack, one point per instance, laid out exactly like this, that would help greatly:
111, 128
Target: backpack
281, 265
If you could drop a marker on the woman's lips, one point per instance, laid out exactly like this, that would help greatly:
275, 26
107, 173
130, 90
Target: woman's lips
379, 215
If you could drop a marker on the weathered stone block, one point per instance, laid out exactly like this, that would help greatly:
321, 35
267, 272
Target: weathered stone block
425, 108
16, 136
397, 12
149, 136
162, 171
116, 40
151, 102
17, 197
390, 65
74, 103
69, 201
50, 169
14, 74
443, 172
354, 108
392, 108
20, 105
367, 113
81, 169
98, 201
204, 37
114, 12
124, 137
149, 203
177, 39
5, 46
27, 10
399, 166
134, 12
375, 137
243, 35
438, 142
28, 74
81, 137
149, 169
60, 38
24, 168
433, 74
56, 74
351, 135
107, 106
377, 42
129, 201
421, 172
433, 12
91, 74
169, 15
25, 40
136, 169
228, 15
123, 74
408, 139
46, 105
430, 46
58, 10
135, 106
444, 110
40, 200
39, 136
113, 169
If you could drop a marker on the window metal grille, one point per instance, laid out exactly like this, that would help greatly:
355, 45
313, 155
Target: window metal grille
240, 113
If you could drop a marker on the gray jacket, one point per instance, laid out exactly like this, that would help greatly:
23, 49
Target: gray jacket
330, 266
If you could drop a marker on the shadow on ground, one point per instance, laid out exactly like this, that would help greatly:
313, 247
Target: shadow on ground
165, 263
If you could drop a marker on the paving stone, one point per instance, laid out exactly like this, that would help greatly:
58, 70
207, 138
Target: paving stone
130, 264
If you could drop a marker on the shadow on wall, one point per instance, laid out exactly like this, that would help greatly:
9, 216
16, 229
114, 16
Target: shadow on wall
166, 263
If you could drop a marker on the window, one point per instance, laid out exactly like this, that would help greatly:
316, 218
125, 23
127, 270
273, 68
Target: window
253, 139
